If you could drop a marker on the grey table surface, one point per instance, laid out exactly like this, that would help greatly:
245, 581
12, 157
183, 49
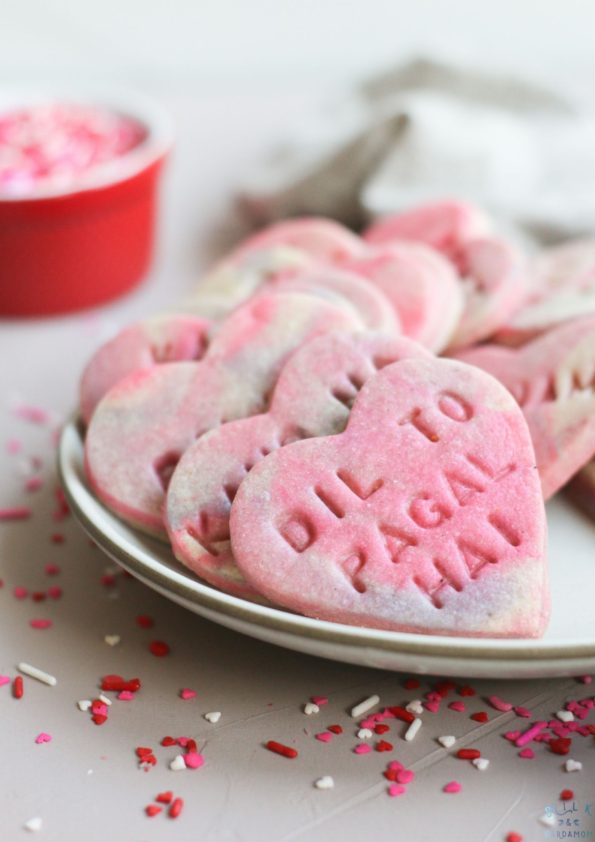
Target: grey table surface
86, 783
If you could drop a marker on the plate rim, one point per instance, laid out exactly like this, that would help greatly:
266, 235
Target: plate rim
191, 589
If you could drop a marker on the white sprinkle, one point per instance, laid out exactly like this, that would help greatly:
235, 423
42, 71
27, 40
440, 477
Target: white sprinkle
365, 706
84, 704
412, 730
40, 675
89, 771
547, 820
364, 734
447, 742
481, 763
213, 717
573, 765
415, 706
565, 716
105, 700
112, 639
178, 763
33, 824
326, 782
310, 708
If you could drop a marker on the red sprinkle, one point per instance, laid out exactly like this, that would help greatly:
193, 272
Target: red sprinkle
480, 716
159, 648
99, 718
381, 728
176, 808
401, 713
566, 795
15, 513
40, 624
466, 691
141, 751
468, 753
153, 810
336, 729
411, 684
383, 745
279, 748
144, 621
17, 687
52, 569
514, 837
55, 592
165, 797
57, 538
561, 745
168, 741
116, 682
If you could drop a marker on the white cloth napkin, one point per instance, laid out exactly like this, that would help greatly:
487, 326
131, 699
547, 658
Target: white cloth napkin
429, 130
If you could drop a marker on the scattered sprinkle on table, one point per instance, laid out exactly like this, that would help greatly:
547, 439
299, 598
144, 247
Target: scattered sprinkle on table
363, 707
39, 675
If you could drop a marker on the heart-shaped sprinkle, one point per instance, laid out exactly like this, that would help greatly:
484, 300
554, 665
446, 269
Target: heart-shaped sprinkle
416, 707
193, 760
481, 763
573, 765
213, 716
186, 693
178, 764
43, 738
364, 734
326, 782
396, 789
455, 469
33, 825
324, 736
452, 787
84, 704
112, 639
153, 810
527, 753
447, 741
165, 797
310, 708
4, 679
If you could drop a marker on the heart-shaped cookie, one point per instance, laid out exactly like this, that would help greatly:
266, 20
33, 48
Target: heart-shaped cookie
552, 379
162, 339
562, 287
421, 286
425, 515
445, 226
492, 274
313, 397
143, 425
281, 250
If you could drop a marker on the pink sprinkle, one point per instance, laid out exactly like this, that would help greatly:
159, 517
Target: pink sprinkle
186, 693
183, 741
55, 592
405, 776
4, 679
585, 679
15, 513
324, 736
20, 592
193, 760
452, 786
43, 738
512, 735
14, 445
521, 711
40, 624
51, 570
458, 706
33, 483
362, 748
395, 765
432, 706
319, 700
125, 696
527, 753
530, 734
34, 414
396, 789
497, 703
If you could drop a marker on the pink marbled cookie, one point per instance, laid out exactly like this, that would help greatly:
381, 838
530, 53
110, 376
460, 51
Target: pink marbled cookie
313, 397
165, 338
143, 425
491, 272
281, 250
370, 302
552, 380
444, 225
425, 515
562, 287
422, 287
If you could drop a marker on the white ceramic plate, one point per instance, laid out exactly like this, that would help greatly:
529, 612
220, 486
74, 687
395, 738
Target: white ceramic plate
568, 647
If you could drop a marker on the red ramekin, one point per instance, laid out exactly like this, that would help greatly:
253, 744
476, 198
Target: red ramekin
67, 250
